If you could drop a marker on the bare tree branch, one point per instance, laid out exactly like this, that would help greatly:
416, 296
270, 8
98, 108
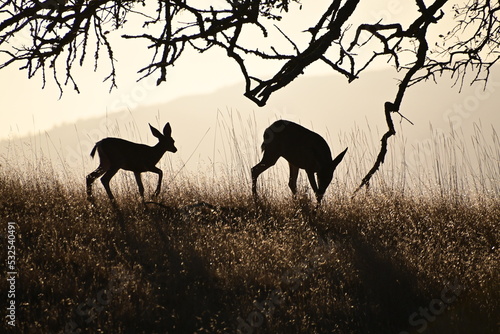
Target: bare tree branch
60, 34
389, 107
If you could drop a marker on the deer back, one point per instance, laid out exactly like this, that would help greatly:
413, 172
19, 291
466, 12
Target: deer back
298, 145
120, 153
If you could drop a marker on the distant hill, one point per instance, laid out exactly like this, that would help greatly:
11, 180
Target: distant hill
204, 126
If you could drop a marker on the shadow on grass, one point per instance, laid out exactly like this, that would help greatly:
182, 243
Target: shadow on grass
213, 269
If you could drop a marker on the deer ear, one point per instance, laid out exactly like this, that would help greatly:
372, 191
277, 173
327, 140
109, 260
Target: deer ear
338, 159
167, 130
155, 132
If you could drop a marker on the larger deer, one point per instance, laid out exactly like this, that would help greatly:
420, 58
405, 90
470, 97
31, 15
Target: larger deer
116, 154
303, 149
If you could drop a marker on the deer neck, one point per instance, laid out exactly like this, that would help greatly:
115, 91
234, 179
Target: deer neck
157, 152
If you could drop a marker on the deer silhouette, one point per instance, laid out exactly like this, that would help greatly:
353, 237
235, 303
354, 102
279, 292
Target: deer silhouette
303, 149
116, 154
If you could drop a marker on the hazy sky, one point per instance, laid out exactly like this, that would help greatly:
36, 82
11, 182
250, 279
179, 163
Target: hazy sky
345, 114
25, 107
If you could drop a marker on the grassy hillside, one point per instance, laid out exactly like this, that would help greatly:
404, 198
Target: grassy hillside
384, 261
416, 253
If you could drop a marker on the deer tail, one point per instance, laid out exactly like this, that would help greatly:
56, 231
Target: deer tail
93, 151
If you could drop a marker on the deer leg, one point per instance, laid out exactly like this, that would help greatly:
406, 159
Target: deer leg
292, 182
268, 160
91, 178
139, 184
105, 181
319, 193
256, 171
312, 181
160, 176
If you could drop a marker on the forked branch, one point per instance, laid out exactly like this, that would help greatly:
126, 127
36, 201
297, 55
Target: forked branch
390, 107
58, 34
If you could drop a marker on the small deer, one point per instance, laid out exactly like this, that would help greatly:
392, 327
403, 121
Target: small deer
116, 154
302, 148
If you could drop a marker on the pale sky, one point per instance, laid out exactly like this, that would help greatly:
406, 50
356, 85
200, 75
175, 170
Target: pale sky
26, 108
322, 100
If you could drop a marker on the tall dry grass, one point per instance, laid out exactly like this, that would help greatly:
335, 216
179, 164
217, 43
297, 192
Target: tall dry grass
417, 252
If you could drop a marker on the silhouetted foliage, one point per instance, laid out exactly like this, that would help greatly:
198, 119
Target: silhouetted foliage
60, 33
